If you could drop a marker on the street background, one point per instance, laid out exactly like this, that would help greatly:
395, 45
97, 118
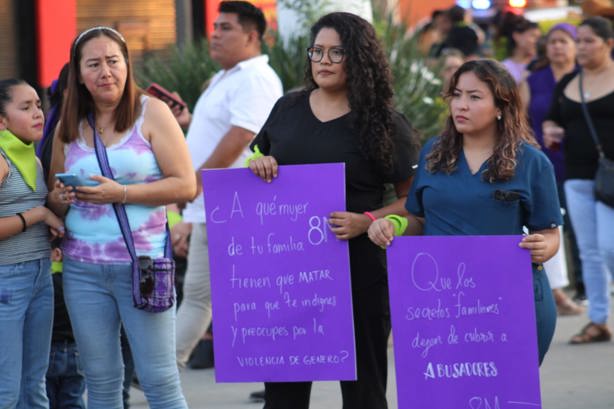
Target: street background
572, 377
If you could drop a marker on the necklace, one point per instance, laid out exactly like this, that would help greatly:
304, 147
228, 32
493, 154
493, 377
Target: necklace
100, 130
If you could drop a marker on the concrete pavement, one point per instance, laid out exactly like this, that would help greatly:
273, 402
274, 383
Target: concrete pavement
572, 377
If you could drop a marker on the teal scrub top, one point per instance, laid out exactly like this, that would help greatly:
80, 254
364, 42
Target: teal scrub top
462, 203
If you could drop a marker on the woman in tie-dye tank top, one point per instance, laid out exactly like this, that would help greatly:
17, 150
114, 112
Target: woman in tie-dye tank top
151, 166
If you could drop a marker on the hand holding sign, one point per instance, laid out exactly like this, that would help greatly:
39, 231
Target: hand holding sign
265, 167
464, 323
280, 280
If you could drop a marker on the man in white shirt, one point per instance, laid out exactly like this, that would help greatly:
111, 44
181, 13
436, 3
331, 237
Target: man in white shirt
226, 118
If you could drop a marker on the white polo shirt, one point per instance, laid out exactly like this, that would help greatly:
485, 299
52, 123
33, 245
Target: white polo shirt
242, 96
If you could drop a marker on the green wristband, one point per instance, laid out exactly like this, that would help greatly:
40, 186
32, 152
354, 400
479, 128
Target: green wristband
257, 154
399, 222
173, 218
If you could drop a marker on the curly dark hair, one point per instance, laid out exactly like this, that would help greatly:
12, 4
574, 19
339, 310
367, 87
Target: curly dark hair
512, 130
369, 84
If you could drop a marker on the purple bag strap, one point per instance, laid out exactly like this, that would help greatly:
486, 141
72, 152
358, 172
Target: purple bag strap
120, 210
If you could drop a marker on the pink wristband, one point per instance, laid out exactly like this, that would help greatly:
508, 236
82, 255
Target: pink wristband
370, 216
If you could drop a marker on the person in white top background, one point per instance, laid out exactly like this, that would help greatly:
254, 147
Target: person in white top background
226, 117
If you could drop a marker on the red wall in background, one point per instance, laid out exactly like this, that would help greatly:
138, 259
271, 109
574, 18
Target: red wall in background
413, 11
56, 23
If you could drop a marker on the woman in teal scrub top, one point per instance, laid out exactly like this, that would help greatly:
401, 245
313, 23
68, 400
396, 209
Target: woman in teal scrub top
485, 175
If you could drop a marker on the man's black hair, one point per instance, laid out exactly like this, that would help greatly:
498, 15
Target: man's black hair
249, 15
456, 14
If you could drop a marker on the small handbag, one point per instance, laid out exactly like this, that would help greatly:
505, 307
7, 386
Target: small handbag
153, 280
604, 178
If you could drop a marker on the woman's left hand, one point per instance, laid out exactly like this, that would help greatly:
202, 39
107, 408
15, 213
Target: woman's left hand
537, 246
108, 191
347, 225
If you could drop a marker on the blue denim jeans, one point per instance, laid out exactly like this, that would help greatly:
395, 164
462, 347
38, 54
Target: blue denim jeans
26, 316
593, 223
65, 381
99, 299
545, 312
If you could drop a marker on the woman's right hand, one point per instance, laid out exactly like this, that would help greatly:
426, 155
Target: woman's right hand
182, 114
56, 225
43, 214
553, 136
63, 194
381, 232
180, 234
264, 167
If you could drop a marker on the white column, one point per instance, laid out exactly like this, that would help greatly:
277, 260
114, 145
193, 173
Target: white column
294, 17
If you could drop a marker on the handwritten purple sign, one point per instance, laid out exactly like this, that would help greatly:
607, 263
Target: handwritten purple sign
280, 280
463, 320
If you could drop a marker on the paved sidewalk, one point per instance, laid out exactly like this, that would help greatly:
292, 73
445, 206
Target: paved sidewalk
572, 377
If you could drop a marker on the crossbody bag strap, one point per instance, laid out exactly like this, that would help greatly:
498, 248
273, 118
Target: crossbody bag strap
118, 208
587, 116
120, 211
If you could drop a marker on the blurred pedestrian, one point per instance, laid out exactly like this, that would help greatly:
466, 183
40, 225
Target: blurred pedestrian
593, 221
521, 47
451, 59
536, 92
65, 380
55, 94
226, 117
464, 35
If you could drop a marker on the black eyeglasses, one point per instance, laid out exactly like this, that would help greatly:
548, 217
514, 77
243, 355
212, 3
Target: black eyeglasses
146, 282
335, 54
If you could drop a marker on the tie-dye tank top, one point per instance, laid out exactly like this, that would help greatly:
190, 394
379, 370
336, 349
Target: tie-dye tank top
93, 233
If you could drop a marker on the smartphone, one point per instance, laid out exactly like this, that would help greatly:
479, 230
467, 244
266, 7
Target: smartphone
71, 179
165, 95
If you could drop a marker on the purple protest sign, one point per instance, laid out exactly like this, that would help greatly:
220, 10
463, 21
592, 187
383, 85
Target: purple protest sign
280, 280
463, 319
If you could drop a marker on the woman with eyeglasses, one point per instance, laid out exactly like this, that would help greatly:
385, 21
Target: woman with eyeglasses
151, 167
345, 115
485, 175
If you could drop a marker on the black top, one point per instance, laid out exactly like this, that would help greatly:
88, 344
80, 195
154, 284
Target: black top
62, 330
462, 38
293, 135
580, 152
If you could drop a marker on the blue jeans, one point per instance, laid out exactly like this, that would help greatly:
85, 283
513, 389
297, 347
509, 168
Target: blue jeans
26, 316
593, 223
65, 381
545, 312
99, 299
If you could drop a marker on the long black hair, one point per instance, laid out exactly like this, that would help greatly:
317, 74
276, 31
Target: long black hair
369, 84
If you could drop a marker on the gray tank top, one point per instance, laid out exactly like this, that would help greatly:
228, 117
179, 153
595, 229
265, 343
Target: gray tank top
16, 197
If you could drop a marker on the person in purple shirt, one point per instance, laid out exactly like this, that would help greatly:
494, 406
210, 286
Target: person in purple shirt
536, 93
522, 47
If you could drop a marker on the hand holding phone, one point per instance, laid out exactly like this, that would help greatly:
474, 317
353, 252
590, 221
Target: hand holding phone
165, 95
71, 179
